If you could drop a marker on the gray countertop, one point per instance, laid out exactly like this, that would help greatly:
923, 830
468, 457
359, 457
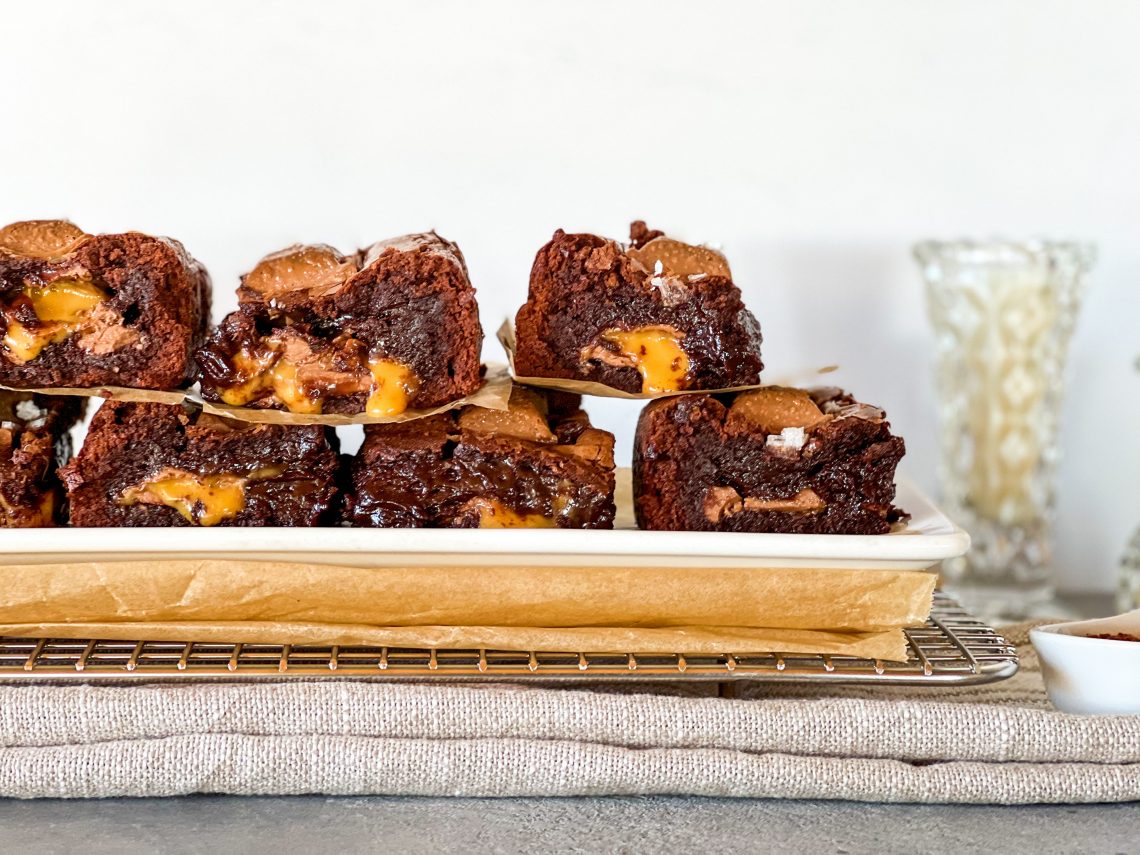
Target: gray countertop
320, 824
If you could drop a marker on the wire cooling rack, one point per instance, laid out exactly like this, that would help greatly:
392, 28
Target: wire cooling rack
952, 648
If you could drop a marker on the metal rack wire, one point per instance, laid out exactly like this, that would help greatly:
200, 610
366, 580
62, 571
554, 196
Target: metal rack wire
952, 648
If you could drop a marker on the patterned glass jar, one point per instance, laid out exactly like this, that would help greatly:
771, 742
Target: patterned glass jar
1003, 314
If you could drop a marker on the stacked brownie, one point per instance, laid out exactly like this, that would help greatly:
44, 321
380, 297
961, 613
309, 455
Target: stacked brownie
390, 328
98, 310
661, 317
33, 442
653, 316
171, 465
767, 460
538, 464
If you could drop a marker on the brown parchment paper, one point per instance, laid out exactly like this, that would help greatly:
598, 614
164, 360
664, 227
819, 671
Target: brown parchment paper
492, 395
888, 645
506, 336
115, 393
218, 591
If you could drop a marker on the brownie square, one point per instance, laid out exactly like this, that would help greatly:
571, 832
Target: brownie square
168, 465
769, 460
98, 310
390, 328
34, 441
654, 316
539, 464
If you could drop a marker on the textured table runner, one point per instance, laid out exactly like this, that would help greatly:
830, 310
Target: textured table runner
1000, 743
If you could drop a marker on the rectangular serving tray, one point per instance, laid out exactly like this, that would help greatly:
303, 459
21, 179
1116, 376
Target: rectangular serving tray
927, 539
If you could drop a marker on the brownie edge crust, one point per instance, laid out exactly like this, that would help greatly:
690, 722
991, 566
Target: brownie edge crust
654, 316
169, 465
768, 460
539, 464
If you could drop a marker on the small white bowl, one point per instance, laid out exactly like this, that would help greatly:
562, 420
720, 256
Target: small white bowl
1091, 676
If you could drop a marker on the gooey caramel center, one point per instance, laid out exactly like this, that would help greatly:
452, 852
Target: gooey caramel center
493, 514
656, 353
201, 499
299, 386
63, 306
393, 387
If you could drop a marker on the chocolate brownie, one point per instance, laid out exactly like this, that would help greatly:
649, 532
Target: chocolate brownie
539, 464
769, 460
167, 465
652, 317
34, 441
390, 328
98, 310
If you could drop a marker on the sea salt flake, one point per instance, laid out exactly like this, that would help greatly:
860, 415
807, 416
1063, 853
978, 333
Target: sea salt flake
789, 439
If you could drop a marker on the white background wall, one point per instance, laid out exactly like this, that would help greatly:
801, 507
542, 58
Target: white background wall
815, 141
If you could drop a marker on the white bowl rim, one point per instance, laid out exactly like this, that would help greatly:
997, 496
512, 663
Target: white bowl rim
1128, 622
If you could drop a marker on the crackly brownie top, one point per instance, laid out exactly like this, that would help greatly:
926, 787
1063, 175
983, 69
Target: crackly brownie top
303, 275
94, 296
655, 315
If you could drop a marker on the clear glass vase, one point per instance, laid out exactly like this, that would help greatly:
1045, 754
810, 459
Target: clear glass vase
1129, 597
1003, 314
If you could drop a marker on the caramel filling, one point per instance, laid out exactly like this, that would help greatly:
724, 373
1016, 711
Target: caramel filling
270, 373
390, 385
493, 514
657, 355
393, 387
63, 307
290, 390
200, 499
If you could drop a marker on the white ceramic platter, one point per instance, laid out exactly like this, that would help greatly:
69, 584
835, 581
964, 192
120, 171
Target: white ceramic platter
929, 538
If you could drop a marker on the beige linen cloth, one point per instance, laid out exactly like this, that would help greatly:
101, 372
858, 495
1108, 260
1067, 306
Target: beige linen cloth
1000, 744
